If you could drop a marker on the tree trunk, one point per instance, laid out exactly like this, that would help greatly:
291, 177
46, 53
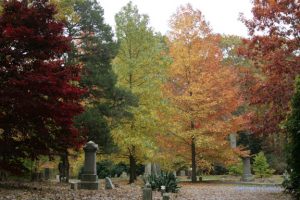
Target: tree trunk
67, 167
194, 177
64, 167
132, 169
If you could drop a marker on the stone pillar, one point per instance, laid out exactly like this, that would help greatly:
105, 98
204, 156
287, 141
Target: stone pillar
148, 169
154, 169
89, 178
166, 196
247, 176
232, 138
147, 192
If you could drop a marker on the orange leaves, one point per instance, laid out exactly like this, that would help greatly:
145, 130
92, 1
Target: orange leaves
203, 91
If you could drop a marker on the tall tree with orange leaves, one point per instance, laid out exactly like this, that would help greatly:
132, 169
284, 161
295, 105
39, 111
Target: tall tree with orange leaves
202, 90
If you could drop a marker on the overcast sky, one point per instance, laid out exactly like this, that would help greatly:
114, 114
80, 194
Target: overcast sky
221, 14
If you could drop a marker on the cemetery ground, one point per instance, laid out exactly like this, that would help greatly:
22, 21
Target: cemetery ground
212, 188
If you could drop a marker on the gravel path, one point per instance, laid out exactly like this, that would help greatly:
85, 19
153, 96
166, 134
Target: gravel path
56, 191
231, 192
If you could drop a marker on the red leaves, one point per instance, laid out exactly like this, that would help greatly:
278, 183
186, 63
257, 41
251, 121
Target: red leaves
273, 47
38, 97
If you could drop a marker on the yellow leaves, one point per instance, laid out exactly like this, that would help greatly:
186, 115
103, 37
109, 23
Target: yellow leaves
188, 23
65, 10
202, 90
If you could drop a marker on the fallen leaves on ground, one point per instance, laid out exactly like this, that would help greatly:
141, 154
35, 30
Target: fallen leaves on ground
199, 191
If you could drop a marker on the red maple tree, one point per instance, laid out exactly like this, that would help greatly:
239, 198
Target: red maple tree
38, 92
274, 49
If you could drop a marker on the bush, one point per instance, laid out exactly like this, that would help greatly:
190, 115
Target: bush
236, 170
165, 179
104, 168
261, 167
107, 168
118, 169
219, 170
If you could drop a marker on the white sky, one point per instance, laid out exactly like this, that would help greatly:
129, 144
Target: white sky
221, 14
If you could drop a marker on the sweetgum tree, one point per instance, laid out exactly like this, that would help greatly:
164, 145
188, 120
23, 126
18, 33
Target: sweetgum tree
38, 92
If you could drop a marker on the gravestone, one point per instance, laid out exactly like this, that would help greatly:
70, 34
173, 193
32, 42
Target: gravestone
148, 169
155, 169
124, 175
166, 196
152, 169
147, 192
57, 177
89, 178
182, 173
247, 176
174, 173
232, 138
108, 184
162, 190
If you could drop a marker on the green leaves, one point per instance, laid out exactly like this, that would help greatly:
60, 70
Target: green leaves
261, 166
140, 65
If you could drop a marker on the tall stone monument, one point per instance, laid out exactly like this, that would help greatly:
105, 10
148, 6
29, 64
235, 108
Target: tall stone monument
89, 178
247, 175
232, 139
152, 169
148, 169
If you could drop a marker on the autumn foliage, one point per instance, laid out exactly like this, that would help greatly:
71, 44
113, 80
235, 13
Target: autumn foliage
38, 92
274, 50
202, 90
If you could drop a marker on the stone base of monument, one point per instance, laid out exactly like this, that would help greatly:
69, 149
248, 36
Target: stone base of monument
88, 185
247, 178
89, 182
85, 185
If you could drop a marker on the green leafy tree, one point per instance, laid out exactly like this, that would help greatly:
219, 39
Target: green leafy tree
293, 128
140, 65
261, 167
94, 48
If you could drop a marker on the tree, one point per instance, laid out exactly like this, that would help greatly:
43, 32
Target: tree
293, 126
261, 167
274, 50
140, 65
94, 48
39, 92
202, 90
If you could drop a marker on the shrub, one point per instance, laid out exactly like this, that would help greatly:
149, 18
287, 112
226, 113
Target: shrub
118, 169
236, 170
219, 170
165, 179
261, 167
106, 168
